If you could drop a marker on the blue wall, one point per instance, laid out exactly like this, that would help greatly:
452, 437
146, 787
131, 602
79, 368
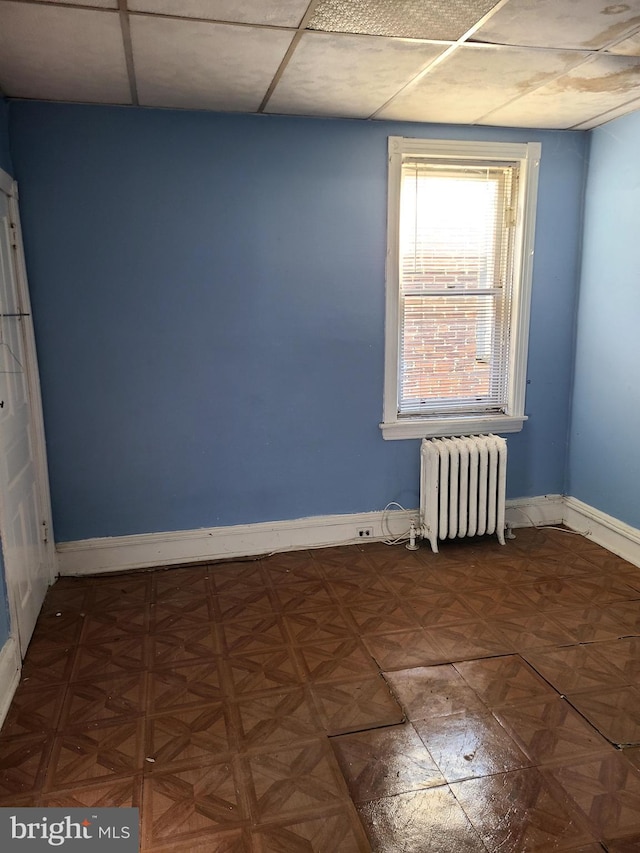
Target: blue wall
604, 461
208, 294
5, 163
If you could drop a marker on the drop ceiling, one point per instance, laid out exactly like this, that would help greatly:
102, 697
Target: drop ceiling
522, 63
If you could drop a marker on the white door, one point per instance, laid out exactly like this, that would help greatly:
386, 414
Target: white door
24, 512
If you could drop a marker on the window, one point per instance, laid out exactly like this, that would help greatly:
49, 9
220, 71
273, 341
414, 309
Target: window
459, 260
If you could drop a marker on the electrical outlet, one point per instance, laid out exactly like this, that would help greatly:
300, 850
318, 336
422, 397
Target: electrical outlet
365, 533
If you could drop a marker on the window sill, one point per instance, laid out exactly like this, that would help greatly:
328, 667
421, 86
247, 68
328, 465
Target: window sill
434, 427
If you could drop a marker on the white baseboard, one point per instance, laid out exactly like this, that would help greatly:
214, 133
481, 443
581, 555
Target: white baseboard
533, 512
90, 556
10, 667
603, 529
119, 553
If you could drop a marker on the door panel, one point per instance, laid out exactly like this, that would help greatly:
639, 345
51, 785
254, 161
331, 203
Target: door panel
22, 518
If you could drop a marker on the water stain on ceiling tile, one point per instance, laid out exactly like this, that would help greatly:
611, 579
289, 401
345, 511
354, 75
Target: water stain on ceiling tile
594, 88
615, 31
579, 24
628, 47
493, 75
621, 81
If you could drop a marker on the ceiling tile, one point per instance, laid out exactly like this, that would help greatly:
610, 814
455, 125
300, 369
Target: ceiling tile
280, 13
62, 54
597, 86
99, 4
585, 24
196, 65
603, 118
628, 47
474, 80
347, 75
438, 19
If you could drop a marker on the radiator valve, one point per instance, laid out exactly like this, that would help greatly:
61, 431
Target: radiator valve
412, 545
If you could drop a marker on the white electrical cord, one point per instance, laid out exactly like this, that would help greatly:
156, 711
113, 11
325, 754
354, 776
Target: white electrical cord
549, 526
391, 539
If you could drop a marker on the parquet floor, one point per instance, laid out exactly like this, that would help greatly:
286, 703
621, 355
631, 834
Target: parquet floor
346, 699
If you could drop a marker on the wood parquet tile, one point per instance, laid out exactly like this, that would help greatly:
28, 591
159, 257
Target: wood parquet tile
532, 631
590, 624
129, 654
504, 680
120, 591
614, 712
191, 804
112, 698
384, 616
303, 596
352, 706
259, 672
168, 614
256, 634
244, 706
238, 578
53, 630
336, 660
110, 793
605, 790
47, 664
99, 625
184, 643
293, 567
180, 584
224, 841
303, 779
575, 668
94, 752
34, 710
336, 830
549, 730
23, 763
187, 685
188, 735
277, 719
317, 626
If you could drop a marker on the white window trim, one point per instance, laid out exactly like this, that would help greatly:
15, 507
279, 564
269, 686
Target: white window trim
528, 153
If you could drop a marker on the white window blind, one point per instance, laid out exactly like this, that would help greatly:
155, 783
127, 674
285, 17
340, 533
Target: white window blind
456, 254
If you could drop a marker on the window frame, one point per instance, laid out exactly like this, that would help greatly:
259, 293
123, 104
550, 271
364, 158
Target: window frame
394, 425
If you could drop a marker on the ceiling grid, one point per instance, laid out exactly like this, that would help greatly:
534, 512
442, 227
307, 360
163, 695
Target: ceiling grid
524, 63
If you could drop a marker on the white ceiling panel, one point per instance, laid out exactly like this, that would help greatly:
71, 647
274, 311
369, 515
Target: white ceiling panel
628, 47
199, 65
64, 54
586, 24
281, 13
492, 76
99, 4
603, 118
348, 75
596, 87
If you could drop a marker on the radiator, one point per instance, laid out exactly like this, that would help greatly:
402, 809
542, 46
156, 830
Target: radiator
462, 487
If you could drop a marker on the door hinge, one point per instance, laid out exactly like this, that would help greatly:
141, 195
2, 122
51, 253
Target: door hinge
45, 532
